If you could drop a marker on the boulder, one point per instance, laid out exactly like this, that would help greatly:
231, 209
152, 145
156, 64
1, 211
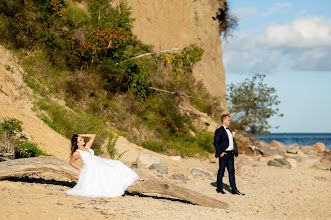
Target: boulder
197, 172
176, 158
159, 167
268, 150
179, 177
274, 163
283, 162
146, 160
292, 161
279, 145
319, 147
309, 161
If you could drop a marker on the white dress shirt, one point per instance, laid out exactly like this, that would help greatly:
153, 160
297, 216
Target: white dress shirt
230, 139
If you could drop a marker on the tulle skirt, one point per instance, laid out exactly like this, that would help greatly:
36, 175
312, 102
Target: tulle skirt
102, 177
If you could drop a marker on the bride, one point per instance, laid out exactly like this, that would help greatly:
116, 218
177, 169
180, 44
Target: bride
99, 177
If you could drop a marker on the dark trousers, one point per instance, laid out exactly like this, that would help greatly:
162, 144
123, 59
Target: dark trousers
226, 161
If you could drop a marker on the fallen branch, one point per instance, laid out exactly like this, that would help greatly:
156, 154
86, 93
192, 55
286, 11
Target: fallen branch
177, 192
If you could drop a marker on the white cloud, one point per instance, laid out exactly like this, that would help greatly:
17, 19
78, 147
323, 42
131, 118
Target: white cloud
274, 9
303, 44
244, 12
301, 33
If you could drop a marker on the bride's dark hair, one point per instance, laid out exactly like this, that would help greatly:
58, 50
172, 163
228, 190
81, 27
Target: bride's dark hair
74, 145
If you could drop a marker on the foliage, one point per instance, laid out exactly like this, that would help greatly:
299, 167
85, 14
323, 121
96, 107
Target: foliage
25, 148
182, 63
227, 22
68, 122
251, 103
112, 139
183, 145
11, 131
11, 126
86, 57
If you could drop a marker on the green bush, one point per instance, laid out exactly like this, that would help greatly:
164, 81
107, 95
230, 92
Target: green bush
154, 146
9, 130
11, 126
77, 17
25, 148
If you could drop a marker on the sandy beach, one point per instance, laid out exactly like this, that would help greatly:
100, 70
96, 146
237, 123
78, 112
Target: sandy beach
271, 193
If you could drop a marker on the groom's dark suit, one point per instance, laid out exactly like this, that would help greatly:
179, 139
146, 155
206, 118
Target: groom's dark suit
221, 143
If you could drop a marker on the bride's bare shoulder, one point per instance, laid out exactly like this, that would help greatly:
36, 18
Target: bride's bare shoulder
76, 154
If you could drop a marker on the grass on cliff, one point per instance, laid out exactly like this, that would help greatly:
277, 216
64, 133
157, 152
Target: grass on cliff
102, 85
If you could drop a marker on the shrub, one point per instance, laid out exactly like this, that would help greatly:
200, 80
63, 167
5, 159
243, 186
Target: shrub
25, 148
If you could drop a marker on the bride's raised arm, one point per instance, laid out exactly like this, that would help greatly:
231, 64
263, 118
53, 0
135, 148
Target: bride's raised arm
90, 142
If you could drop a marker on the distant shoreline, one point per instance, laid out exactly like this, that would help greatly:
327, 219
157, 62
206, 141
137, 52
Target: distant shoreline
308, 139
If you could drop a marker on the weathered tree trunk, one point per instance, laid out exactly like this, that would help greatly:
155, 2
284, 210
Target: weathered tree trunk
20, 167
177, 192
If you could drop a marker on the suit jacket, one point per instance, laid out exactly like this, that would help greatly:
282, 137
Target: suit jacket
221, 142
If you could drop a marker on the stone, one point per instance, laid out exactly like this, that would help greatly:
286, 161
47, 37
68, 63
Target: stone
146, 160
176, 158
197, 172
244, 166
274, 163
306, 149
283, 162
319, 147
268, 150
309, 161
159, 167
278, 145
179, 177
277, 156
292, 161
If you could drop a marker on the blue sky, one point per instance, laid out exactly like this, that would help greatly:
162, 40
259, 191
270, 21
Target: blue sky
289, 42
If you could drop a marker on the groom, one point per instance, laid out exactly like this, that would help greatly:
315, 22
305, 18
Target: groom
226, 149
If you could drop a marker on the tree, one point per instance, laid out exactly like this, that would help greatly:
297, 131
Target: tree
251, 103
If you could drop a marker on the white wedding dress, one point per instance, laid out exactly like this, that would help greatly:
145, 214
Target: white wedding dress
102, 177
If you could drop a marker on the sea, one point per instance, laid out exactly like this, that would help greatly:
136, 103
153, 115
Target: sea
301, 138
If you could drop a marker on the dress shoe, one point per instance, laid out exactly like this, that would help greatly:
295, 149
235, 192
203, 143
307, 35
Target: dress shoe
237, 192
220, 191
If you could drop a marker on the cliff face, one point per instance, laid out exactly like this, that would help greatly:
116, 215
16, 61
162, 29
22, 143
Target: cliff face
170, 24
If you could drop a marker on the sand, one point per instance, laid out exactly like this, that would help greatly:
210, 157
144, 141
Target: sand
271, 193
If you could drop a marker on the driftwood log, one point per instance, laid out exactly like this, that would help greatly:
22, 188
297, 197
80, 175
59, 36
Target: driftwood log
20, 167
